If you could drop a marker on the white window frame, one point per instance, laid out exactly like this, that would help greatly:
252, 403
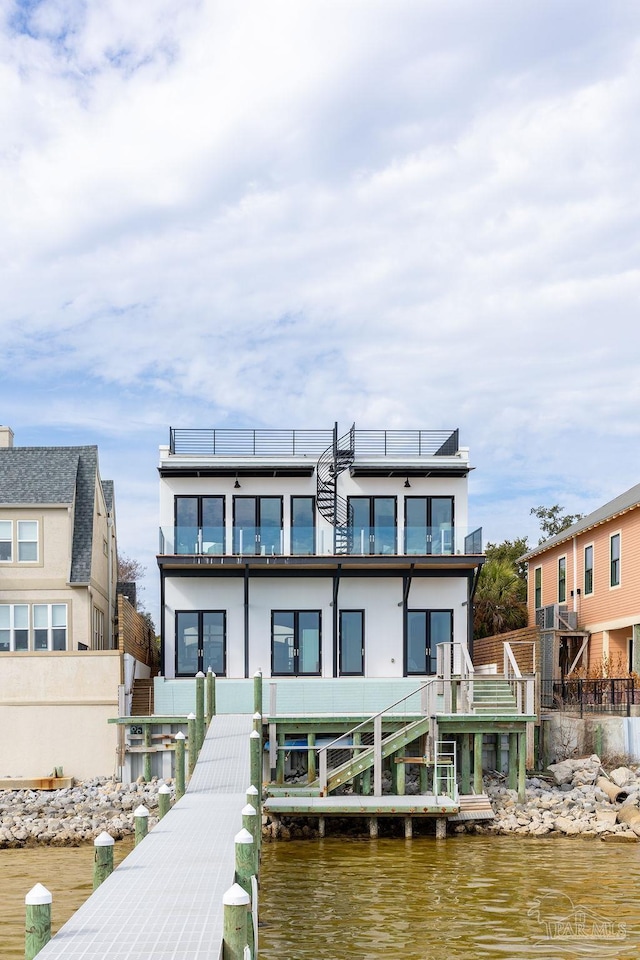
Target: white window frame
12, 607
51, 626
20, 541
616, 533
98, 628
593, 569
564, 582
535, 589
8, 540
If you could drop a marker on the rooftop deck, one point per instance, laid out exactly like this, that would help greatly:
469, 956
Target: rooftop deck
165, 899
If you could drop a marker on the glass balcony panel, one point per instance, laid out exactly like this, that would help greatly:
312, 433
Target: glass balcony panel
303, 541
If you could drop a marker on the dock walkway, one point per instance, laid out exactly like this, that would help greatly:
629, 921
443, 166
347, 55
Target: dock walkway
164, 901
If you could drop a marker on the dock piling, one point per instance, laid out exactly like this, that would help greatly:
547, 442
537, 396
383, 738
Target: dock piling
235, 923
255, 754
192, 742
441, 828
102, 858
179, 738
38, 920
141, 821
164, 795
250, 824
245, 859
210, 696
199, 711
146, 761
257, 692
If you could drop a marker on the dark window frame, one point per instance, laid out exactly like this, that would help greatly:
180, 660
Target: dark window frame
257, 497
429, 517
361, 672
427, 611
372, 525
202, 666
296, 633
292, 528
199, 526
562, 579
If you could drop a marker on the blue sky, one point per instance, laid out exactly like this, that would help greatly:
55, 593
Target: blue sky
281, 214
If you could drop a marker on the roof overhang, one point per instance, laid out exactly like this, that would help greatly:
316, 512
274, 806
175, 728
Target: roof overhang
451, 565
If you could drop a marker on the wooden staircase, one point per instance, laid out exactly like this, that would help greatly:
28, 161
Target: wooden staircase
142, 698
494, 697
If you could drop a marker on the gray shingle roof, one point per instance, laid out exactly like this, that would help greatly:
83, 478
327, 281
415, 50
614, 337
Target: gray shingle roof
61, 475
626, 501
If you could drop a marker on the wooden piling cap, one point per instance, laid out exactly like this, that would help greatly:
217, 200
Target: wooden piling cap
164, 789
179, 736
257, 716
191, 716
199, 675
254, 735
258, 673
103, 840
37, 895
248, 810
252, 791
141, 811
243, 837
236, 897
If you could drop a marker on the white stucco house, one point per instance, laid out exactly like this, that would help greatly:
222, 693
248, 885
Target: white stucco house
306, 554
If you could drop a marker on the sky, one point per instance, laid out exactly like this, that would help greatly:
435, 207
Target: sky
407, 214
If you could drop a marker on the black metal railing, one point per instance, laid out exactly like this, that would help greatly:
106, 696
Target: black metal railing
609, 695
286, 443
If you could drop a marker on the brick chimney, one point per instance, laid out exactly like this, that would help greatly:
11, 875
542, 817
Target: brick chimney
6, 437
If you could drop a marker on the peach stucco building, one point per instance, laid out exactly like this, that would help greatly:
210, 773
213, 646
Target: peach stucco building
584, 592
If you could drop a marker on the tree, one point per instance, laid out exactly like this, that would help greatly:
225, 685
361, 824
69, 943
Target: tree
553, 520
130, 570
500, 603
510, 551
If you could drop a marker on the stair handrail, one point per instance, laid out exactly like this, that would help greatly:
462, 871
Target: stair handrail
427, 701
445, 660
512, 673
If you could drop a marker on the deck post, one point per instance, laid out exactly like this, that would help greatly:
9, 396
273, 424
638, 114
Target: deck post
192, 742
235, 923
179, 739
357, 780
280, 758
465, 771
513, 761
408, 828
377, 756
164, 797
141, 822
210, 696
312, 772
321, 826
199, 711
393, 771
255, 754
401, 774
245, 860
250, 824
598, 740
373, 828
38, 920
477, 763
257, 692
522, 765
366, 782
102, 858
441, 828
146, 762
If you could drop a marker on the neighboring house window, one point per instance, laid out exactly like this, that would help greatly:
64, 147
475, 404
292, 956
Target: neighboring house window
201, 640
14, 627
303, 529
614, 548
537, 580
27, 541
588, 569
105, 547
98, 629
49, 626
6, 541
295, 642
425, 629
199, 525
351, 642
562, 579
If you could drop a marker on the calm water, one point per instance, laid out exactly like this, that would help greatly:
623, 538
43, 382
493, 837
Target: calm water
477, 898
467, 898
66, 871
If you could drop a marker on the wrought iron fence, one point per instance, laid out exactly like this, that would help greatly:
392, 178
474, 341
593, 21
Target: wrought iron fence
609, 695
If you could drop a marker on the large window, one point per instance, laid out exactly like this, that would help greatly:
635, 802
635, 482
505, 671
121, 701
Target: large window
425, 629
588, 569
98, 629
199, 525
614, 552
25, 548
14, 627
537, 580
201, 642
428, 525
42, 626
295, 643
373, 524
257, 525
562, 579
351, 643
303, 529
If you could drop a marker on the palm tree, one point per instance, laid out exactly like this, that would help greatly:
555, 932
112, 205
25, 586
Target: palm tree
500, 603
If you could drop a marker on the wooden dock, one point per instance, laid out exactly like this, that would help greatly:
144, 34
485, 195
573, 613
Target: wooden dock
165, 898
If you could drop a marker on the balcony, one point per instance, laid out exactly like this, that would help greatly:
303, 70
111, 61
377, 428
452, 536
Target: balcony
270, 541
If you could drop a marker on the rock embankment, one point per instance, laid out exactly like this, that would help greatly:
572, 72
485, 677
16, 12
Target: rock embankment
76, 814
571, 803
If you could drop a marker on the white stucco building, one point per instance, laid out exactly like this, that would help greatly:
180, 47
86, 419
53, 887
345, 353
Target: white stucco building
307, 554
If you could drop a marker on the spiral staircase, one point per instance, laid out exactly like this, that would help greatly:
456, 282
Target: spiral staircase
335, 460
